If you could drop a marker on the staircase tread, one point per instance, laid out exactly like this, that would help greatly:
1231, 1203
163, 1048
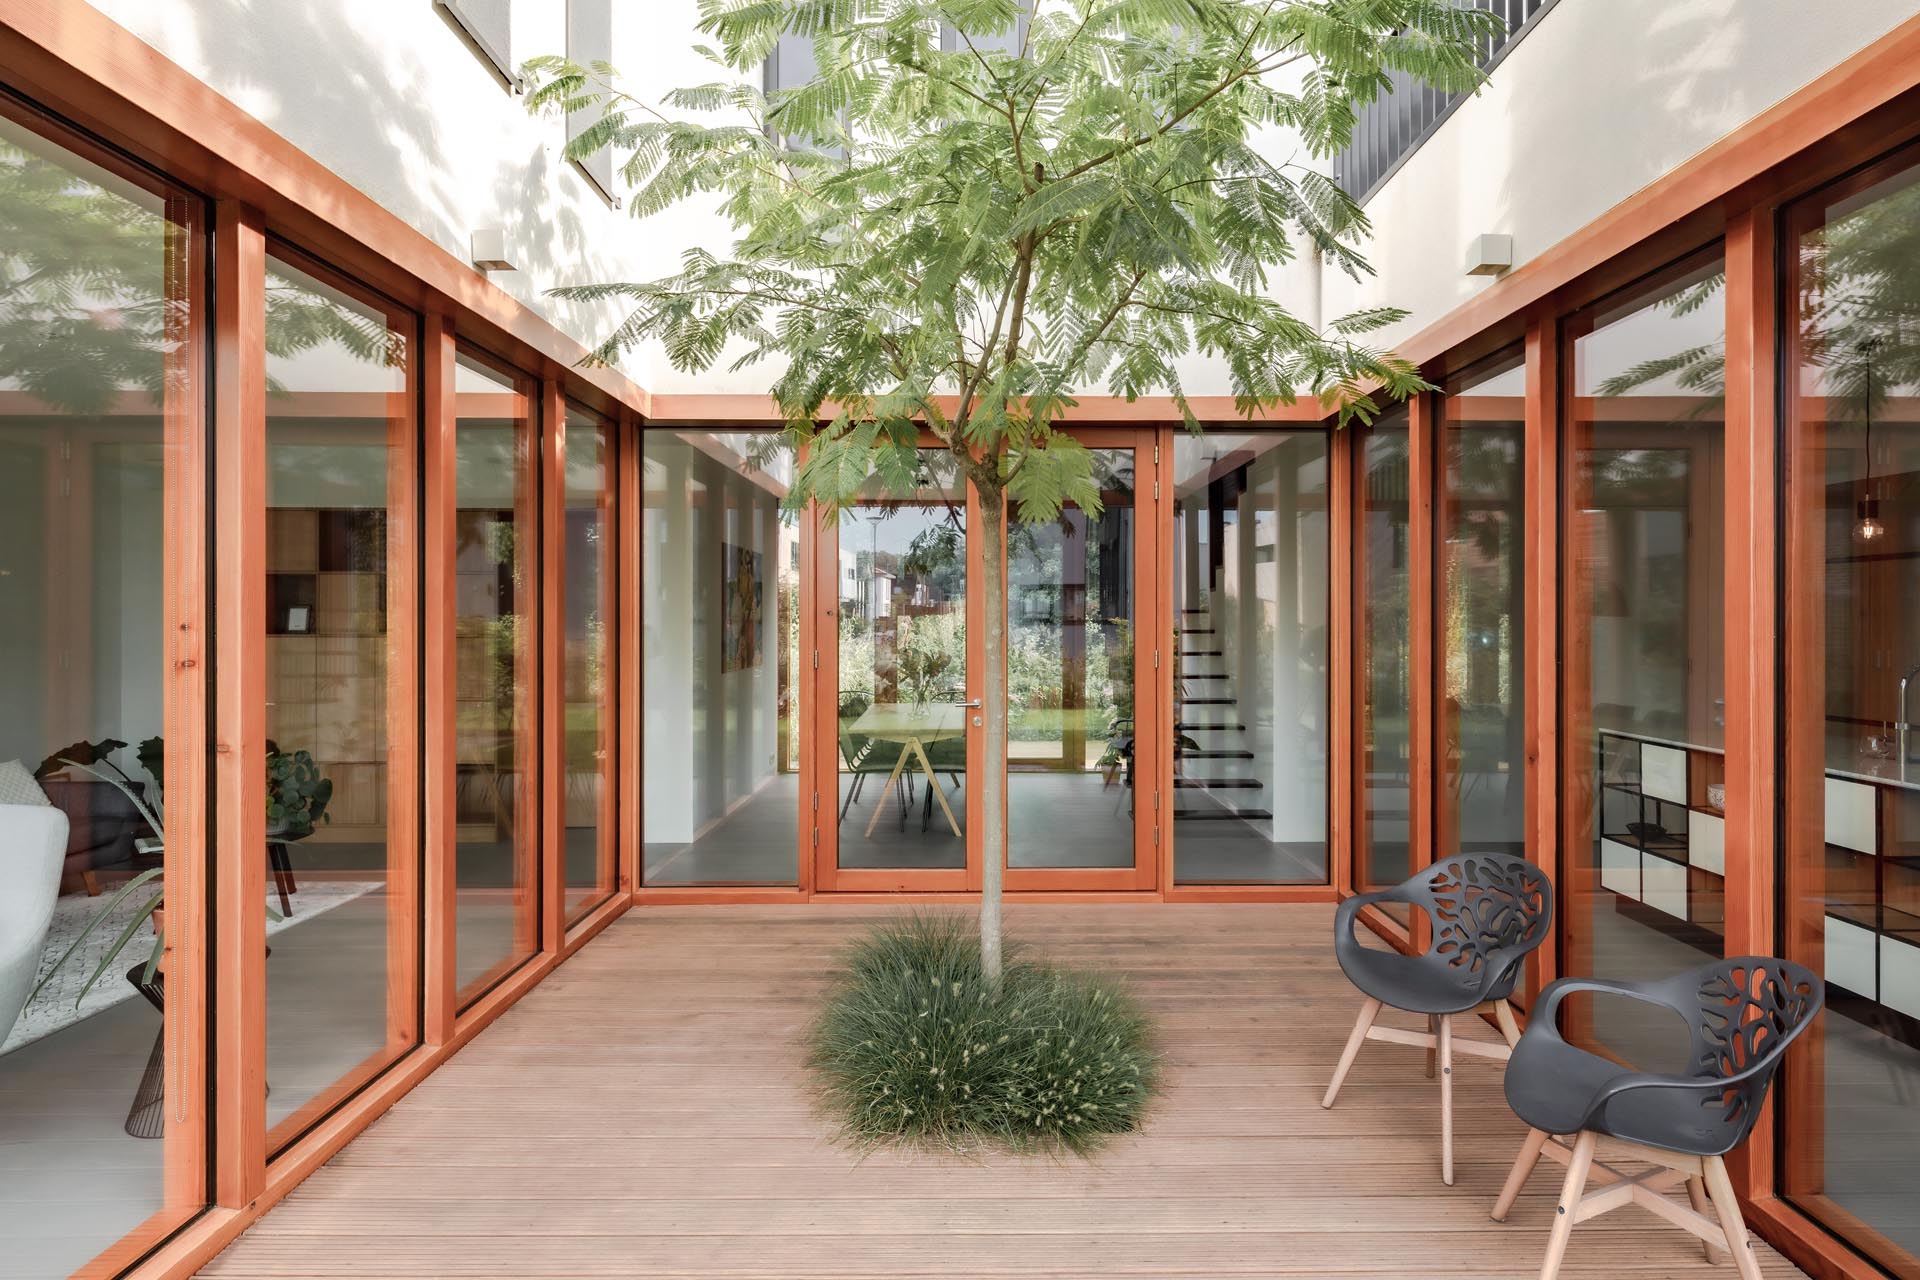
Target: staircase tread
1219, 784
1203, 815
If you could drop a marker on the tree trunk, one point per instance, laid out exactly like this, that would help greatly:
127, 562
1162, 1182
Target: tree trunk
993, 715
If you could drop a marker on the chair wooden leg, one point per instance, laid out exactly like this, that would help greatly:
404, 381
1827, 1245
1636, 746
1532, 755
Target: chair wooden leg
1433, 1050
1509, 1028
1570, 1192
1368, 1012
1523, 1165
1446, 1098
1727, 1205
1697, 1197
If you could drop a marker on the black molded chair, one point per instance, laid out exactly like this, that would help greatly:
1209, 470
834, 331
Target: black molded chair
1740, 1015
1489, 910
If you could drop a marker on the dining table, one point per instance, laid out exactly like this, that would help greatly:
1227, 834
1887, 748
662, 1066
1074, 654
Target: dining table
912, 725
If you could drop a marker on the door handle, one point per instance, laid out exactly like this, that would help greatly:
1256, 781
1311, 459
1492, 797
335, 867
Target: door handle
974, 703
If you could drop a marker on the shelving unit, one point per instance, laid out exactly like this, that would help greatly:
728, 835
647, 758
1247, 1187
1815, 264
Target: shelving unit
1662, 856
1872, 901
327, 657
1662, 840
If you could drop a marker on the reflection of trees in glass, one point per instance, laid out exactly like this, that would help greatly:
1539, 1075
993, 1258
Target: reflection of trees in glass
937, 559
1701, 370
931, 650
1858, 313
503, 647
1859, 305
1483, 493
301, 320
1647, 478
87, 310
84, 305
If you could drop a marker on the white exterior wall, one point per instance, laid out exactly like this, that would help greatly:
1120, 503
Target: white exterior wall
1599, 100
390, 96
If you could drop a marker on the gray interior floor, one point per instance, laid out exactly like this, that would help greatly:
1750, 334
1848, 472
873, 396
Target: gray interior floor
72, 1182
1056, 820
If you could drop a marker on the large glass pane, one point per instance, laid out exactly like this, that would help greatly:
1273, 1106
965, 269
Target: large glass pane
1851, 854
1250, 569
903, 672
99, 419
1644, 645
720, 612
339, 430
586, 680
1479, 799
1070, 592
1382, 587
496, 828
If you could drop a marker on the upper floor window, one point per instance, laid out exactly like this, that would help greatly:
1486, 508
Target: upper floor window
590, 41
1392, 126
1012, 40
793, 64
489, 25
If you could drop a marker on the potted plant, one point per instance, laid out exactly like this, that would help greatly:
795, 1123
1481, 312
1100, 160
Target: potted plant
297, 794
297, 798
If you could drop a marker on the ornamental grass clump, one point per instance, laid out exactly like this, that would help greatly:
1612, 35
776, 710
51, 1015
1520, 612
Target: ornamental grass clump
916, 1047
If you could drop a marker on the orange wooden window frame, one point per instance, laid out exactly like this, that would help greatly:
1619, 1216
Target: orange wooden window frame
405, 779
72, 58
820, 828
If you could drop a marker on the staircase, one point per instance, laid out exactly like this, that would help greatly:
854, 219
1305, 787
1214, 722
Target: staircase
1211, 762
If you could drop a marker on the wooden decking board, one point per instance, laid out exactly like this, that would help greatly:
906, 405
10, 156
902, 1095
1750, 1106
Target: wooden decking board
644, 1113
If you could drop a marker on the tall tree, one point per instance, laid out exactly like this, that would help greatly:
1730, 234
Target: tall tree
958, 234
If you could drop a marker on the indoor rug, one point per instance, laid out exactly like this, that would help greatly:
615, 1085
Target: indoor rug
54, 1007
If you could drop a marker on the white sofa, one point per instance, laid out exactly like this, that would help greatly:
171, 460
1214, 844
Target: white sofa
33, 849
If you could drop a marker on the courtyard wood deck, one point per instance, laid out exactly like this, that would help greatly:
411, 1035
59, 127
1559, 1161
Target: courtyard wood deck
644, 1113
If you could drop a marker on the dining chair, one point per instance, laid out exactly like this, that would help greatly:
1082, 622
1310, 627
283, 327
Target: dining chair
856, 749
1488, 911
1740, 1015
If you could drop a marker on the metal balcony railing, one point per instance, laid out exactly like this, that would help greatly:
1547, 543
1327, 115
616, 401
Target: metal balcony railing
1393, 126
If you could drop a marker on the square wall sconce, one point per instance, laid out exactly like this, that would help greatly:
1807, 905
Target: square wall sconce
490, 250
1489, 255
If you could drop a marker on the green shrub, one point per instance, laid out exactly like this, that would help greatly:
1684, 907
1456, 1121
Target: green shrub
912, 1047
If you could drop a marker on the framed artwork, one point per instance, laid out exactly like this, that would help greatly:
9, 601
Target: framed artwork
741, 593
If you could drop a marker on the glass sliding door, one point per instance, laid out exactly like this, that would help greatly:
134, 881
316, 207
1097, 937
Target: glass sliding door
1070, 679
1644, 640
1382, 588
1250, 571
720, 615
102, 466
342, 833
586, 680
1850, 856
1480, 758
903, 733
905, 673
496, 684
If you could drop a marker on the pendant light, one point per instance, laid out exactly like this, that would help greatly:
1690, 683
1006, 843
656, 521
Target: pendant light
1867, 527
